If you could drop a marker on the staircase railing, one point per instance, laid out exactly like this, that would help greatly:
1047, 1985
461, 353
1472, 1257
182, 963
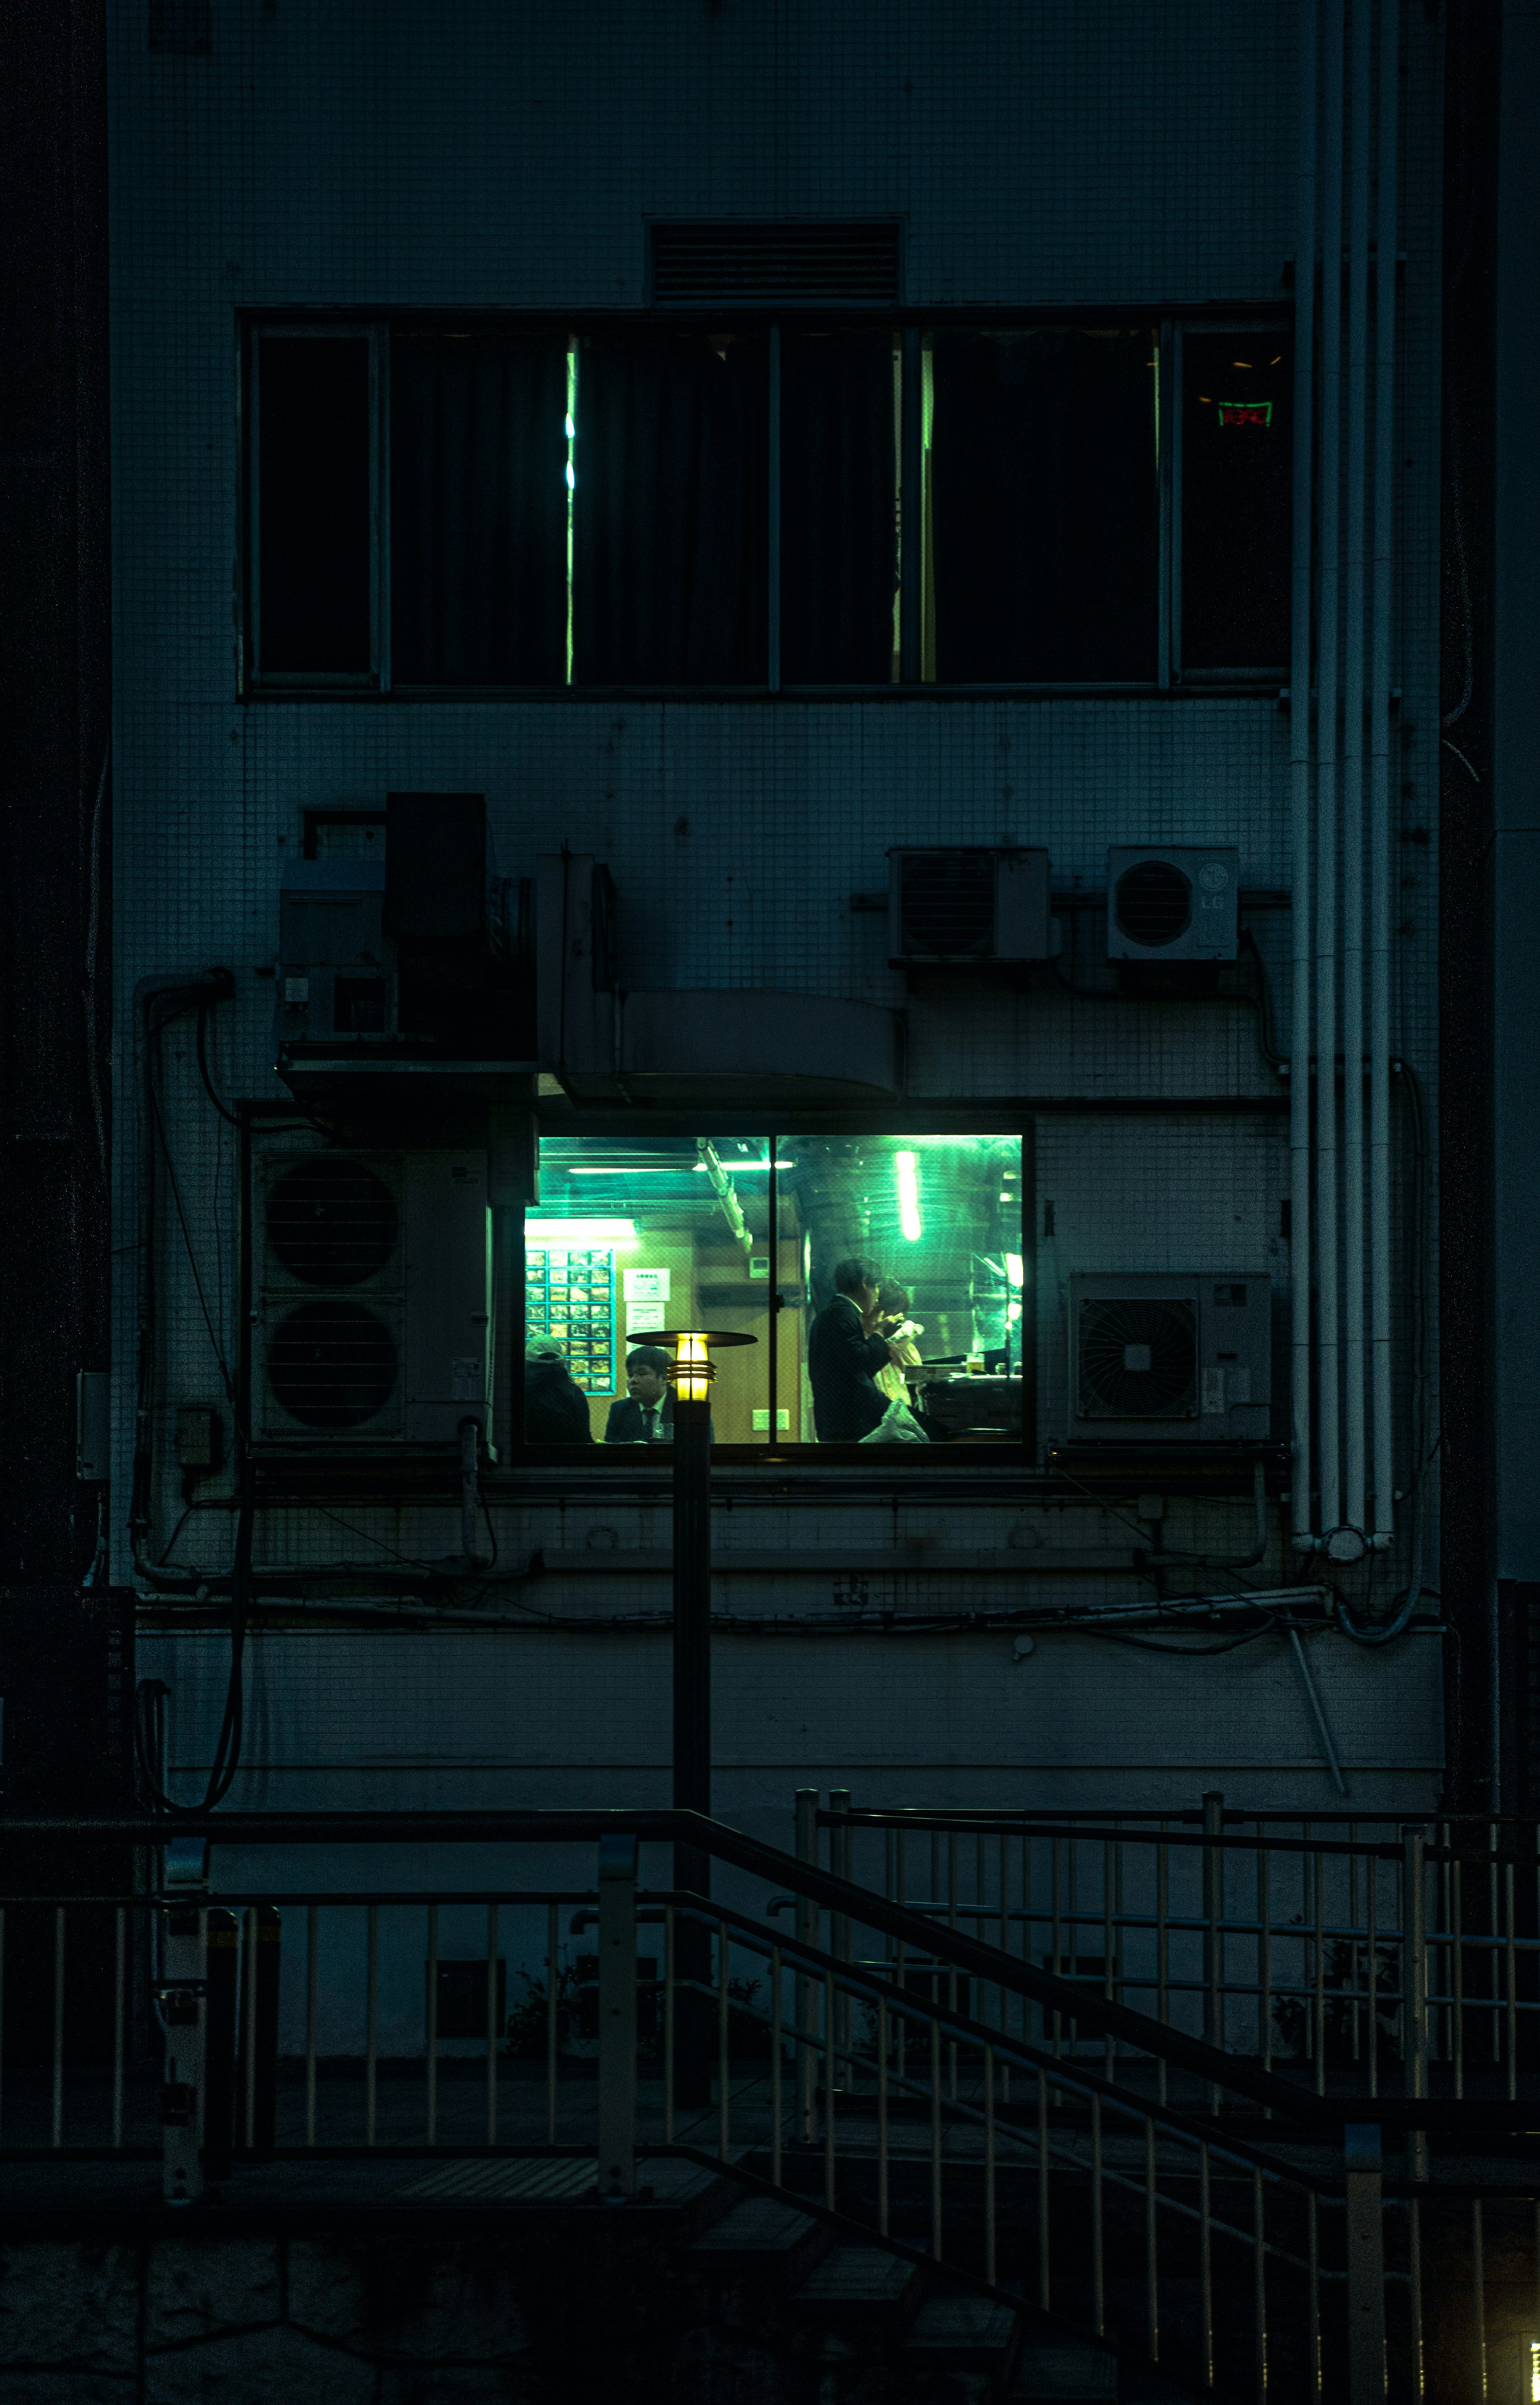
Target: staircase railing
1371, 1951
1031, 2132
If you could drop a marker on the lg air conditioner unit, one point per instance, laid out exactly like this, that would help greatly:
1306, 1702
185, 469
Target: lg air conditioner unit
372, 1292
1172, 903
1157, 1357
965, 908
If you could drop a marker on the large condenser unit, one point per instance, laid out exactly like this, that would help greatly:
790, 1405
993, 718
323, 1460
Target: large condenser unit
1161, 1356
372, 1294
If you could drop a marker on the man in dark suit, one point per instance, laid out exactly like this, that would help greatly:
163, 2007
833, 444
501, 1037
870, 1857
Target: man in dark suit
844, 1355
644, 1413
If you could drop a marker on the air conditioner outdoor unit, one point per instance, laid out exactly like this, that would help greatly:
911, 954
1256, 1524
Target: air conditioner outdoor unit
1172, 903
1155, 1356
373, 1294
964, 909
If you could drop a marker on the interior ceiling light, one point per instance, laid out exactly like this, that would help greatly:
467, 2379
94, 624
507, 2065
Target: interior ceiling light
909, 1196
579, 1235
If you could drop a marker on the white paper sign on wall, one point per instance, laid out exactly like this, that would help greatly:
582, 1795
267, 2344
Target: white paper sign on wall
640, 1316
647, 1286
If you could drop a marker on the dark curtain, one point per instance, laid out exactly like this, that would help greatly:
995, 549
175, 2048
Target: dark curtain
1044, 506
670, 574
478, 511
839, 532
313, 560
1236, 500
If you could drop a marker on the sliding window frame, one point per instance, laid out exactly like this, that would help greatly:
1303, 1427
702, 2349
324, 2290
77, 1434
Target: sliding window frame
1024, 1458
253, 679
1211, 679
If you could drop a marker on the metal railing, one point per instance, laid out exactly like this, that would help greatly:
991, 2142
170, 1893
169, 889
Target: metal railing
1372, 1951
1030, 2130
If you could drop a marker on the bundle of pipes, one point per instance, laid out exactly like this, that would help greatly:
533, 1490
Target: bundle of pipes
1341, 845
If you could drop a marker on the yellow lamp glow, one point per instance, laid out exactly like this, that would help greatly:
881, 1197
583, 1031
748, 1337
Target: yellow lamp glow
693, 1370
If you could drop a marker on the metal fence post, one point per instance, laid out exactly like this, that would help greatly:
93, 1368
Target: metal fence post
180, 1995
807, 1931
616, 2016
1366, 2236
842, 1863
1414, 1985
1213, 1912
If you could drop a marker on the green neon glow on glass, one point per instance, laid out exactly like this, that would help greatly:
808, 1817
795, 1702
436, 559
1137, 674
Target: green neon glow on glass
571, 488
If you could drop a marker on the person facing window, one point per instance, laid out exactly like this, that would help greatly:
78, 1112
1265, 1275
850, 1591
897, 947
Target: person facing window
643, 1414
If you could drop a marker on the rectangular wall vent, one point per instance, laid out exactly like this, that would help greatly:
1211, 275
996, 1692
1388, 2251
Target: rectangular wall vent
775, 266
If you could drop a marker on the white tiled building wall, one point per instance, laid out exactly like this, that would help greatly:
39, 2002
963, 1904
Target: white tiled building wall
381, 156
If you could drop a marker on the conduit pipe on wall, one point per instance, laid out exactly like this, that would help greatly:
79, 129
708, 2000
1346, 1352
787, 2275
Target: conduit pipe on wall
1299, 771
1329, 1367
1342, 884
1386, 251
1355, 400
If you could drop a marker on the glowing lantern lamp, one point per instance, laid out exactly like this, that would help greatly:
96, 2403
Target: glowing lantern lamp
691, 1373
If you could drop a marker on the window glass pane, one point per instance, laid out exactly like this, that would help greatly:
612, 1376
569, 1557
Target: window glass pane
839, 507
1044, 505
313, 505
629, 1238
1236, 500
478, 509
670, 496
934, 1223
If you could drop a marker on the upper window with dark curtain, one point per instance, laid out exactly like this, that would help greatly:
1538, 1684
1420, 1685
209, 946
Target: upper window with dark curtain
478, 509
314, 572
1044, 506
670, 564
839, 507
1236, 500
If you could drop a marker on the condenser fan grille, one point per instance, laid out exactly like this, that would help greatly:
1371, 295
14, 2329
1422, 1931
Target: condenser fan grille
947, 905
332, 1365
332, 1222
1153, 904
1137, 1361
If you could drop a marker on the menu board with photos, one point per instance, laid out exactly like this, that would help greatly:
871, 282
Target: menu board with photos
571, 1296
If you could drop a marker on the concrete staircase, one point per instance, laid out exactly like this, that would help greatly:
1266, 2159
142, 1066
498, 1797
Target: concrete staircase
792, 2312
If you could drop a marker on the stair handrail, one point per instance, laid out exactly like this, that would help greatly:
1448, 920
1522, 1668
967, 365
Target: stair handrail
1068, 1999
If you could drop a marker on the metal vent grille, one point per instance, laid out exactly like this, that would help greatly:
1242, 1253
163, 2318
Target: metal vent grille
332, 1222
1153, 904
1137, 1361
791, 266
332, 1365
946, 905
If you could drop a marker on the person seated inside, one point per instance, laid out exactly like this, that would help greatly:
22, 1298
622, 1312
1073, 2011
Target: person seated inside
644, 1413
555, 1408
846, 1352
893, 1305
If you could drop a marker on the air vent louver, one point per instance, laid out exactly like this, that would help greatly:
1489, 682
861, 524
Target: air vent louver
332, 1222
1137, 1361
763, 266
332, 1365
947, 904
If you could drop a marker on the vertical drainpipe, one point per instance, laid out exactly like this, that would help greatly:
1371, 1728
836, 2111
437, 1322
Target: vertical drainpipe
1380, 774
1299, 775
1329, 1396
1355, 1362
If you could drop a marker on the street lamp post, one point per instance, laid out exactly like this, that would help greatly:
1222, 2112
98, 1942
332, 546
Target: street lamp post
692, 1372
